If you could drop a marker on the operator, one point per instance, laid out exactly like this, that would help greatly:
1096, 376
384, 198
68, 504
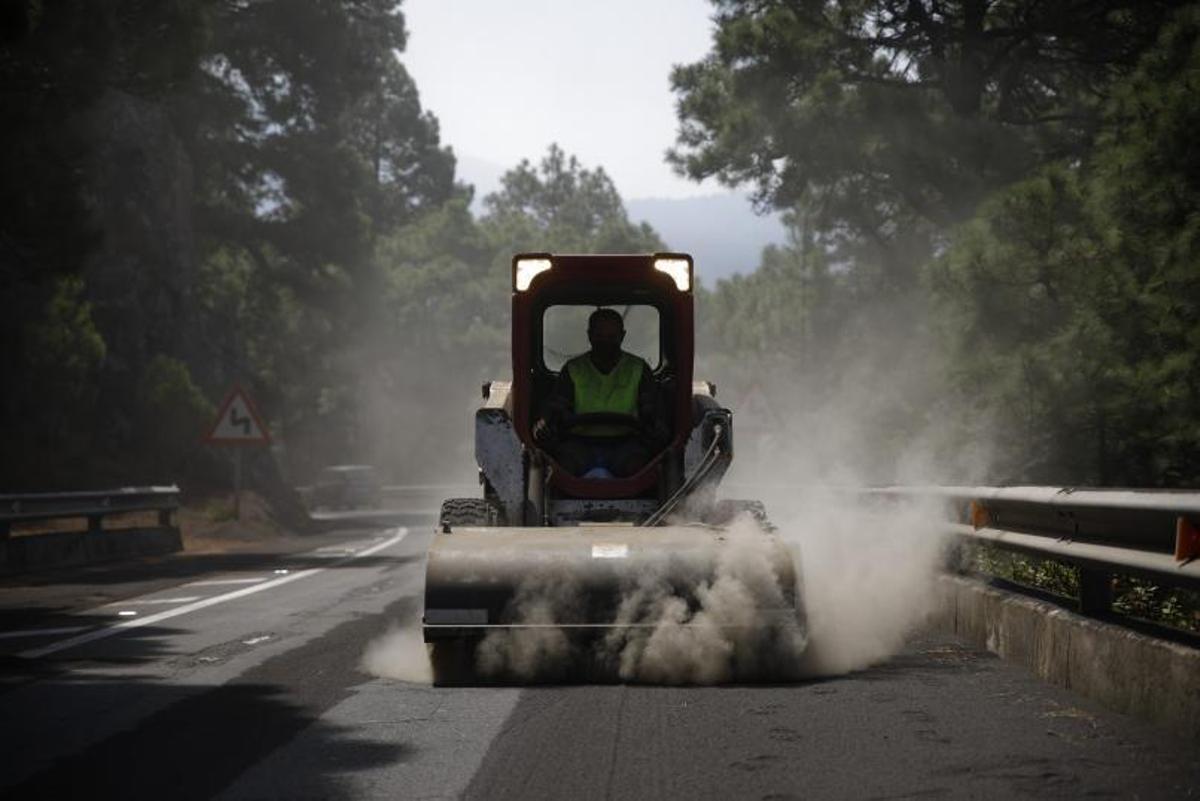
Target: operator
604, 380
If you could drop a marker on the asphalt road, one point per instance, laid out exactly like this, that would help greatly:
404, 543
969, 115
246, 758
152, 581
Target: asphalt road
239, 676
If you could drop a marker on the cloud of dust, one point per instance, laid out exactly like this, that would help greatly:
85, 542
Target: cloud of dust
669, 626
399, 654
872, 412
869, 575
541, 651
866, 576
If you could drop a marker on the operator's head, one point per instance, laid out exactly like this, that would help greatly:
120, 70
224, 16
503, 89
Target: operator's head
606, 332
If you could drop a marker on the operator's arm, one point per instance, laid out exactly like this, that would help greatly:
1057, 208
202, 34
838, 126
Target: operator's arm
559, 404
562, 397
649, 409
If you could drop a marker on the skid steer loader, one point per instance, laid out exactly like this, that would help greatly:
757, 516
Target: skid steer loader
590, 542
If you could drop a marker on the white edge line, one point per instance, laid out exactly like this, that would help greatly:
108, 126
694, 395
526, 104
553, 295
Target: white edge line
134, 623
219, 582
146, 601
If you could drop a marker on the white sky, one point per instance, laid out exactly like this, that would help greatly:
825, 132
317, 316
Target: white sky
507, 77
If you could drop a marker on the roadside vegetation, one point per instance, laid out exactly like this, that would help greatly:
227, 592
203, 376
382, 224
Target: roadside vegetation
1132, 597
994, 250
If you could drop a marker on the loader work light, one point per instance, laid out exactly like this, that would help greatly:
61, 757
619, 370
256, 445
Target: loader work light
527, 270
679, 270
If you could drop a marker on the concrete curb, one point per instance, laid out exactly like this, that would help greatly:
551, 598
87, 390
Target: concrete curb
69, 549
1122, 669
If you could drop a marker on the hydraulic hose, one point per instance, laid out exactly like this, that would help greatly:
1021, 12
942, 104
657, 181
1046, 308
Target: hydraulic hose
707, 463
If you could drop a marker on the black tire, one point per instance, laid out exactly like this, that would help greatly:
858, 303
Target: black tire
468, 512
724, 511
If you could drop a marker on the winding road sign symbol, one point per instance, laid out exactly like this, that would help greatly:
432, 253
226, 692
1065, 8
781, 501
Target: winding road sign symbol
238, 422
242, 422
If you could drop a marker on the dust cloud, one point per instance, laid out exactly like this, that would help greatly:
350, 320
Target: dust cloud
399, 654
670, 626
726, 637
867, 581
541, 651
869, 575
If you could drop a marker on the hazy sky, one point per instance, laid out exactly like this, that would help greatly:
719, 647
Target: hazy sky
507, 78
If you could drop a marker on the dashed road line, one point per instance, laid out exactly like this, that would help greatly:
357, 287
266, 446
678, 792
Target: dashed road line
133, 623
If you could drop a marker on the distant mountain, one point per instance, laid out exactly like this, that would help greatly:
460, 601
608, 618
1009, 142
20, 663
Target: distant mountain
483, 175
721, 231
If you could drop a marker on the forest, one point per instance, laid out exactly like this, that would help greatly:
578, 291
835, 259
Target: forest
993, 271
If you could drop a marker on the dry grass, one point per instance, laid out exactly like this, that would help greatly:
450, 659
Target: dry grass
207, 525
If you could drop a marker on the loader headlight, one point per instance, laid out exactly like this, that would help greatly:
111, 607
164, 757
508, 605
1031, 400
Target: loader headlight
679, 269
527, 270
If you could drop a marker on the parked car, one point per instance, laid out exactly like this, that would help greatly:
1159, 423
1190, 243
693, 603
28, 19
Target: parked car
346, 486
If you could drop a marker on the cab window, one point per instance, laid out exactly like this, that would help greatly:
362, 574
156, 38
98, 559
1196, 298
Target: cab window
564, 333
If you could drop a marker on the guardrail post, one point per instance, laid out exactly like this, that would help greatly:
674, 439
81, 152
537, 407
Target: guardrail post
5, 530
95, 524
164, 517
1095, 591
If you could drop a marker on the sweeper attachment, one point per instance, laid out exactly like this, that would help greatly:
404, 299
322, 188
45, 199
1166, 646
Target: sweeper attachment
605, 560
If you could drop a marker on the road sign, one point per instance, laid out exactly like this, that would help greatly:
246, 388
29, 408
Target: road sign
238, 422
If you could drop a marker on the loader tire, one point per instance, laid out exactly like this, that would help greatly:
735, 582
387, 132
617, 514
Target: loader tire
468, 512
724, 511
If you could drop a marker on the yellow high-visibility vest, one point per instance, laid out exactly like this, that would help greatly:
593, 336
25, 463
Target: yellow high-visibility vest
615, 392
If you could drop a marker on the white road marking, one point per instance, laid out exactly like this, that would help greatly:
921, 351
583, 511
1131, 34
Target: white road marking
256, 640
141, 602
221, 582
116, 628
40, 632
331, 553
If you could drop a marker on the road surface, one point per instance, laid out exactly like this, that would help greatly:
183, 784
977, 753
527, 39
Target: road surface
239, 676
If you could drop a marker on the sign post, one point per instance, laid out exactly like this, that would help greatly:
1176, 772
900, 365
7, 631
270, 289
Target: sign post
237, 485
238, 423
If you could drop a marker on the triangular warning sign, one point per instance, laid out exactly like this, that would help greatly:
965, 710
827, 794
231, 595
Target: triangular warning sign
238, 422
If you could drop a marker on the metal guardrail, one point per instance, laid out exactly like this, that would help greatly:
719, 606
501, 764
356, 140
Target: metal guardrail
1151, 534
93, 506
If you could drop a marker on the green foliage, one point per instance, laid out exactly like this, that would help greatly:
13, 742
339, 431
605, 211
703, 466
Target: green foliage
1048, 575
53, 403
171, 410
922, 108
65, 341
560, 206
1133, 597
198, 194
1147, 601
1010, 187
216, 179
1070, 303
892, 121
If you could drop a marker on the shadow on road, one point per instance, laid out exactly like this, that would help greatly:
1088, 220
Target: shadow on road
196, 747
194, 740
